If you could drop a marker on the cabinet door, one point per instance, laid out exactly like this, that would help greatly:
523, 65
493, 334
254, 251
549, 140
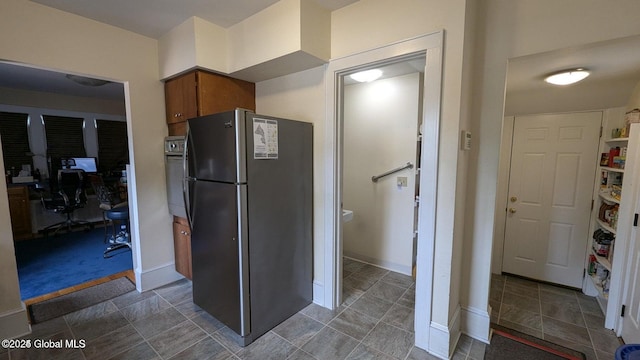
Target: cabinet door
217, 93
182, 246
177, 128
180, 98
20, 212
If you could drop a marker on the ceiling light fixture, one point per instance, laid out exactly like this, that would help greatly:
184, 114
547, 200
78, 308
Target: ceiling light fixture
367, 75
567, 77
86, 81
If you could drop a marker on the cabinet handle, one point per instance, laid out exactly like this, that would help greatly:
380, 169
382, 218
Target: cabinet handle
184, 232
512, 210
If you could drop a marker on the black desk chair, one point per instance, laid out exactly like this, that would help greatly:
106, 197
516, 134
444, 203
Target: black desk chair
69, 197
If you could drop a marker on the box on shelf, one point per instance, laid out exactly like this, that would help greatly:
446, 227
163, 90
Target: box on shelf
632, 116
21, 179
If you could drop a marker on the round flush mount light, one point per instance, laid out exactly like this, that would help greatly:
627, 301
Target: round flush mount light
367, 75
567, 77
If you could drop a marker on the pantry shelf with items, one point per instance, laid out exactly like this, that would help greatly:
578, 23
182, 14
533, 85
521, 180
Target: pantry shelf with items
611, 222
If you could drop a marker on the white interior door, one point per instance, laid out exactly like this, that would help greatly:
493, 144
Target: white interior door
553, 163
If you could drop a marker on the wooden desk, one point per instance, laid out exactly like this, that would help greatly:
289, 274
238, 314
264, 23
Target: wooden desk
20, 210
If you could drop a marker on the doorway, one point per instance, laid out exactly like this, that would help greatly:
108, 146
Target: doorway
430, 48
380, 161
550, 186
95, 116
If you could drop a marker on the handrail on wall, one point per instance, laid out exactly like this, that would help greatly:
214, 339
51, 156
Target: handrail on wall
408, 166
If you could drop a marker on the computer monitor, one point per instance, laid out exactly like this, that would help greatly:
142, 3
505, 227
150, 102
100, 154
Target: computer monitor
87, 164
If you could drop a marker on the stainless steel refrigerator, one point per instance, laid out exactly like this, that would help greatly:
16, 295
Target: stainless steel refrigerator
248, 194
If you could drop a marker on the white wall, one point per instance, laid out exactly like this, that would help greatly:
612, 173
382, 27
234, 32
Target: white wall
509, 29
286, 37
52, 39
380, 134
300, 96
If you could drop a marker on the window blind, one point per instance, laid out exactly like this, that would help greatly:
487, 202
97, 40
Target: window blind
64, 136
113, 149
15, 141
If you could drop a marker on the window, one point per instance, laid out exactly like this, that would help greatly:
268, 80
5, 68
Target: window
113, 151
64, 136
15, 141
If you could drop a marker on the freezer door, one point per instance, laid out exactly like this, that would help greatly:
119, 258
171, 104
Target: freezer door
218, 247
215, 151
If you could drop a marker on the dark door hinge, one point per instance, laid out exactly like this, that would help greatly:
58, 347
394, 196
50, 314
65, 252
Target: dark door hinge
635, 219
600, 131
622, 311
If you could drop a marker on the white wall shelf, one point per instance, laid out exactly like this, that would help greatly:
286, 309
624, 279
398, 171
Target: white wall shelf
616, 140
606, 226
606, 168
608, 198
602, 260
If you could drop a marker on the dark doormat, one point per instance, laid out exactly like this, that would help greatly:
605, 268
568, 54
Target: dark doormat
65, 304
509, 344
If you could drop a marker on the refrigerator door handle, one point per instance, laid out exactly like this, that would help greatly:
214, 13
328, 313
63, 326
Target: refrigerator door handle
185, 181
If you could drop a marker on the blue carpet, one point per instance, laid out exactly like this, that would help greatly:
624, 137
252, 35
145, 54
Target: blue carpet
49, 264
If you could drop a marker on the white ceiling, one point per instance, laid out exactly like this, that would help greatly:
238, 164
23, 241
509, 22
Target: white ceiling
615, 64
18, 76
615, 71
154, 18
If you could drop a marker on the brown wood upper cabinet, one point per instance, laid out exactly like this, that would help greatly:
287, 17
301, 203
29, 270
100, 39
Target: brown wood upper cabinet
194, 94
200, 93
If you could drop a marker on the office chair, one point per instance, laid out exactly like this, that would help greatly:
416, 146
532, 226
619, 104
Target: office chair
113, 208
69, 197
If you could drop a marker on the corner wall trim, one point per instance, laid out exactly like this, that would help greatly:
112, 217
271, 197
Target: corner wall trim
318, 293
14, 323
476, 323
443, 338
155, 277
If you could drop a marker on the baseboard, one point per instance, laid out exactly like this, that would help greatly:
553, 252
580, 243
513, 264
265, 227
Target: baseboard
476, 323
443, 339
154, 278
318, 293
14, 323
399, 268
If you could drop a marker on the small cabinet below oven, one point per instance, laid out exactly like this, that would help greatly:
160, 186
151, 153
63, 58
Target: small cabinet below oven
182, 246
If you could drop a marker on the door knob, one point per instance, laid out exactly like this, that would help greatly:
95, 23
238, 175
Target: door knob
512, 210
514, 199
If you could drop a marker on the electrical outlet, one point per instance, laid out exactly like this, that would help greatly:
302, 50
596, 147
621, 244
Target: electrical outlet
402, 181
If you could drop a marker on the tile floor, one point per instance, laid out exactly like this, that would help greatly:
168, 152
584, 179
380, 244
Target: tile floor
562, 316
375, 322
